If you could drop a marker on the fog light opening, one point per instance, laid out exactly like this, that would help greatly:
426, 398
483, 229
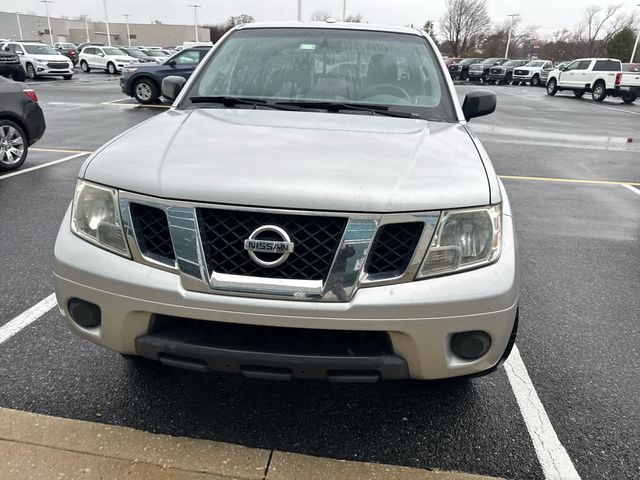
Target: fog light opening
470, 345
85, 314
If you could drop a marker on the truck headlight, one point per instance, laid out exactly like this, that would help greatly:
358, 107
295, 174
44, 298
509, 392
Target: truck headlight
96, 218
464, 239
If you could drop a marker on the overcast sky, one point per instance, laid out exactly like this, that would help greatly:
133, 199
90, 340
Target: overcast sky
550, 15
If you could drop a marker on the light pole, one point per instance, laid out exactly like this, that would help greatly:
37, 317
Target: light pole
195, 18
511, 17
299, 10
106, 21
86, 27
126, 17
46, 5
19, 25
635, 47
344, 10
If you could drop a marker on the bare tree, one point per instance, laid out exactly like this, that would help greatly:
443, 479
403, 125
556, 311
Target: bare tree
464, 24
238, 20
600, 25
357, 18
320, 16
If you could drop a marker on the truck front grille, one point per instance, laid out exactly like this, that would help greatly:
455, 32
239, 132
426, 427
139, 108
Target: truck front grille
152, 232
393, 248
58, 65
316, 241
522, 73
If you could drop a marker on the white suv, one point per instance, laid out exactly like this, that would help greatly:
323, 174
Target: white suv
110, 59
41, 60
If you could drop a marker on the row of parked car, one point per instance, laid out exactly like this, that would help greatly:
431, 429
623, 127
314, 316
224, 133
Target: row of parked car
602, 77
33, 59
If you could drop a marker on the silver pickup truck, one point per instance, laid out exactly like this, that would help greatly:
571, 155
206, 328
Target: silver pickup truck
314, 205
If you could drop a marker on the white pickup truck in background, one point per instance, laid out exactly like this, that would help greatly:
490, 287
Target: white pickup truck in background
628, 85
599, 76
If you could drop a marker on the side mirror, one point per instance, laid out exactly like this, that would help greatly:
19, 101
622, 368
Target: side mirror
172, 86
479, 103
563, 69
171, 63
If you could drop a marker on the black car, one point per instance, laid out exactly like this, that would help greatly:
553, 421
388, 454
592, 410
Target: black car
68, 50
10, 66
21, 123
460, 70
504, 73
144, 82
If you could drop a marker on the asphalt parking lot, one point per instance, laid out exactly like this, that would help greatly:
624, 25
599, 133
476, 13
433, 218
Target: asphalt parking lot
572, 170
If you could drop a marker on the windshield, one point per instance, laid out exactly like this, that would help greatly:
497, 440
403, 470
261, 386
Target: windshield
135, 52
112, 51
397, 71
67, 45
491, 61
512, 63
40, 50
155, 53
537, 63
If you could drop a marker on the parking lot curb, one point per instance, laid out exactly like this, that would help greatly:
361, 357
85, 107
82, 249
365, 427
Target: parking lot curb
35, 446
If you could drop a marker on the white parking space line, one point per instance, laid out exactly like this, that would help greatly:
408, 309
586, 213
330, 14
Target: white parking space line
633, 189
25, 319
38, 167
552, 456
620, 110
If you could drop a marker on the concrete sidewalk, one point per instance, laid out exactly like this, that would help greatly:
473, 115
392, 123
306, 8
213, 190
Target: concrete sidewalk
36, 446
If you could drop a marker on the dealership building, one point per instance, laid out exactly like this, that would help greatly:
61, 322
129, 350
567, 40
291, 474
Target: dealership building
14, 26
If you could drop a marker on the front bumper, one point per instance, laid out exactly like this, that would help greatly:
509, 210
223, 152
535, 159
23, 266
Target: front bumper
419, 317
44, 70
125, 85
523, 78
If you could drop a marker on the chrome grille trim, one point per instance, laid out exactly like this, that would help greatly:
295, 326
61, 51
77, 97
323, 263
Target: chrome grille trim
344, 278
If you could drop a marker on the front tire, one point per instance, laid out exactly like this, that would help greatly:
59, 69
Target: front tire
599, 92
535, 81
111, 68
20, 75
552, 87
14, 146
629, 99
146, 91
84, 66
31, 72
485, 78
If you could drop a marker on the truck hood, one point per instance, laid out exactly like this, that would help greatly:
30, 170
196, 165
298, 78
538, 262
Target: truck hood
300, 160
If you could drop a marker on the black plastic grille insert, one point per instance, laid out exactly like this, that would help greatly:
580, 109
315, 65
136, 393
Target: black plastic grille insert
316, 241
393, 248
152, 232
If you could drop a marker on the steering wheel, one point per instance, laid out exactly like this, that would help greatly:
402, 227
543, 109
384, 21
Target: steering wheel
387, 88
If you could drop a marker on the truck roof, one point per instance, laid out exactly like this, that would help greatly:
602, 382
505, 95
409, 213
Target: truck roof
334, 25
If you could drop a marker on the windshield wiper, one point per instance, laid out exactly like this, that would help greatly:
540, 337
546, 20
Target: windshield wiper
356, 107
231, 102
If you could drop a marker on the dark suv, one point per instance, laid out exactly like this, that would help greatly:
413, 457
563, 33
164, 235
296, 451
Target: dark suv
10, 66
144, 82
